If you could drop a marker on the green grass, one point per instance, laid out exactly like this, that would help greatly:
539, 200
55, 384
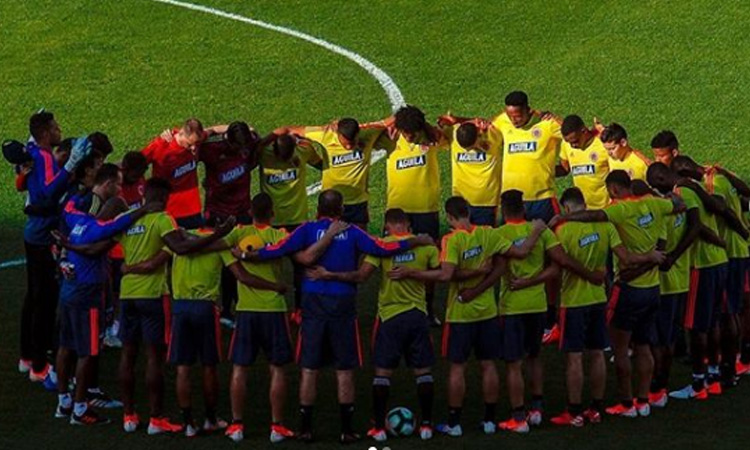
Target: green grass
134, 67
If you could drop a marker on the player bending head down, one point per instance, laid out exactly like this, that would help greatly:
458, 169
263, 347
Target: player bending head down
517, 108
665, 146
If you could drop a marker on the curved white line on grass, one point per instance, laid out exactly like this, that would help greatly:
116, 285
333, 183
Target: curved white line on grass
395, 96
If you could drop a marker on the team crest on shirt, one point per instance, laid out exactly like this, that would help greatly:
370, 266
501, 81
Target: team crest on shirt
138, 229
471, 157
349, 157
519, 242
585, 169
78, 230
286, 176
232, 174
536, 133
184, 169
522, 147
645, 220
408, 163
589, 239
472, 252
404, 258
594, 157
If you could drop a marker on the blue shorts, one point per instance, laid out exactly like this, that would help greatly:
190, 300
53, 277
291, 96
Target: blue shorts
357, 213
190, 222
522, 335
483, 337
634, 310
707, 287
583, 328
542, 209
425, 223
483, 215
195, 333
666, 324
735, 286
145, 320
406, 335
256, 331
81, 317
329, 333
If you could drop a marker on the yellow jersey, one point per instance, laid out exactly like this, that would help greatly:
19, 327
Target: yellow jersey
413, 174
529, 156
635, 164
345, 170
589, 168
476, 173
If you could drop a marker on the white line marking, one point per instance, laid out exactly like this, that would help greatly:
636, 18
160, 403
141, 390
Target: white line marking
386, 82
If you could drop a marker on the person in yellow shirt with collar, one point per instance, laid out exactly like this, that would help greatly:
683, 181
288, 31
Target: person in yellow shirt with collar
584, 157
621, 155
531, 141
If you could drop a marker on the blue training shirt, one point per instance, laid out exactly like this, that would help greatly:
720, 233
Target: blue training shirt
46, 185
341, 256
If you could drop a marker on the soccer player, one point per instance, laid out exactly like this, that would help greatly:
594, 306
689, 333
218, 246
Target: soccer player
471, 323
80, 303
476, 168
635, 301
621, 155
134, 166
346, 150
530, 146
665, 147
729, 264
261, 316
682, 230
401, 326
46, 184
584, 157
329, 331
413, 173
172, 156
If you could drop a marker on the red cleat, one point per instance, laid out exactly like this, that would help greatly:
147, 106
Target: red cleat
551, 336
567, 419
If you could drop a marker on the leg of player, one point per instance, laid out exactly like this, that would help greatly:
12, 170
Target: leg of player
127, 385
644, 367
621, 346
346, 396
237, 394
94, 394
491, 392
381, 388
515, 382
535, 369
743, 365
184, 400
308, 392
277, 398
714, 356
730, 336
426, 395
211, 399
155, 355
82, 413
456, 393
574, 383
598, 384
64, 363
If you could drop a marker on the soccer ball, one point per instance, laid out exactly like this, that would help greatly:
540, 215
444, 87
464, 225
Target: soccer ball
400, 422
250, 243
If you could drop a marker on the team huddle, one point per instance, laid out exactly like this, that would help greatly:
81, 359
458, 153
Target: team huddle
637, 255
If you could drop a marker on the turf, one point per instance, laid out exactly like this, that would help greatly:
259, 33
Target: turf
134, 67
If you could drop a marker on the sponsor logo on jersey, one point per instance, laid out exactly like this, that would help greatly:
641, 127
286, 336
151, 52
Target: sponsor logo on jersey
645, 220
283, 177
522, 147
184, 169
346, 158
408, 163
138, 229
589, 239
344, 235
679, 220
473, 252
519, 242
585, 169
471, 157
404, 258
232, 174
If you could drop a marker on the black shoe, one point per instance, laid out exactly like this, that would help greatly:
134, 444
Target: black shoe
90, 417
349, 438
306, 437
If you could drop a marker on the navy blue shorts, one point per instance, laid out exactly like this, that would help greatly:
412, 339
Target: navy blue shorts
483, 215
542, 209
707, 287
406, 335
81, 317
195, 333
666, 324
583, 328
522, 335
145, 320
190, 222
329, 333
256, 331
634, 310
358, 213
735, 286
425, 223
483, 337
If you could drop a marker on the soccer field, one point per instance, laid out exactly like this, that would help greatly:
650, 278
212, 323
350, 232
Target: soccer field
134, 67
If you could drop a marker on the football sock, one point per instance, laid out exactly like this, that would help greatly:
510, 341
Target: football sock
518, 413
699, 381
575, 409
426, 394
381, 387
489, 412
211, 415
347, 413
537, 402
306, 414
454, 416
187, 416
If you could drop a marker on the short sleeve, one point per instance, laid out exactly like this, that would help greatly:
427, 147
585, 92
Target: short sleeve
614, 236
433, 257
372, 260
167, 224
227, 258
663, 206
554, 129
500, 244
450, 253
549, 239
564, 153
616, 212
689, 197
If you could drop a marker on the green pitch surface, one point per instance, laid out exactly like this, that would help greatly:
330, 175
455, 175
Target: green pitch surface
134, 67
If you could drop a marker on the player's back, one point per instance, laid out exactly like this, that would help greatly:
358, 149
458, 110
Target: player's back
141, 242
197, 276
